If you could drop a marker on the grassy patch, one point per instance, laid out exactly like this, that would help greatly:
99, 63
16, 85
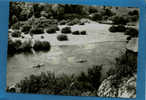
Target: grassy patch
49, 83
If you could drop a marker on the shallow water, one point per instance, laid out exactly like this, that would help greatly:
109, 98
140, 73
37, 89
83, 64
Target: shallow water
98, 47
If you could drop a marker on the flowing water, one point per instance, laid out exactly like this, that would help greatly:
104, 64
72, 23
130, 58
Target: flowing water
98, 47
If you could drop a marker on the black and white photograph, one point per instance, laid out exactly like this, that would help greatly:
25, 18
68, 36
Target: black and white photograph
72, 50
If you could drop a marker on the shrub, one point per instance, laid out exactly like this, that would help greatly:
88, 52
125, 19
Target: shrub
62, 37
96, 17
66, 30
132, 32
26, 29
14, 20
23, 16
74, 22
134, 12
119, 28
42, 46
125, 66
76, 33
83, 32
15, 26
37, 31
51, 30
49, 83
120, 20
26, 46
16, 34
62, 22
13, 46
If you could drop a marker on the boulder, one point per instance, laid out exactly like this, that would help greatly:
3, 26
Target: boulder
133, 45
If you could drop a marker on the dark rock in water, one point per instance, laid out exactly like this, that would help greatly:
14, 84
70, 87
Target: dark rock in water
42, 37
66, 30
82, 23
62, 37
38, 66
81, 61
83, 33
76, 33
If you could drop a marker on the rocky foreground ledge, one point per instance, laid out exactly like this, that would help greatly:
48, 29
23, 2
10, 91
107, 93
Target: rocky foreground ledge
126, 88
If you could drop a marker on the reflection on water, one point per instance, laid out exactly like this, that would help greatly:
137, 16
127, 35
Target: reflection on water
63, 59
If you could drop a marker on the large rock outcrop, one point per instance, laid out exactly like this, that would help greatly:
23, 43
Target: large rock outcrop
126, 88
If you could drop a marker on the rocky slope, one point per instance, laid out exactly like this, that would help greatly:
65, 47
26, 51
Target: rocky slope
126, 89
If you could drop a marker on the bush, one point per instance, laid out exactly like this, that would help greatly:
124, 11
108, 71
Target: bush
74, 22
125, 66
15, 26
16, 34
13, 46
96, 17
134, 12
119, 28
49, 83
26, 46
37, 31
66, 30
132, 32
120, 20
62, 37
83, 33
62, 22
42, 46
26, 29
51, 30
76, 33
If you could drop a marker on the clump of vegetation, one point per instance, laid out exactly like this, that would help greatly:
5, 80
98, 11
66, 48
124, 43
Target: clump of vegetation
96, 17
16, 34
132, 32
66, 30
42, 46
120, 20
37, 31
79, 33
76, 33
62, 37
26, 29
62, 22
49, 83
83, 33
134, 12
117, 28
15, 26
74, 22
126, 66
13, 46
51, 30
